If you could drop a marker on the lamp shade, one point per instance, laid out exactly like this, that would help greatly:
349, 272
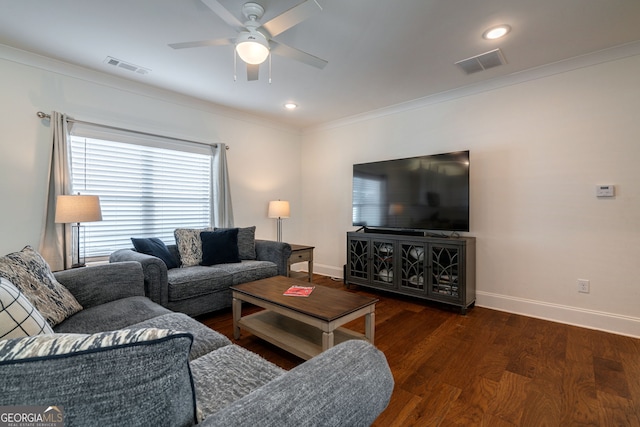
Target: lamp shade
78, 208
252, 47
279, 209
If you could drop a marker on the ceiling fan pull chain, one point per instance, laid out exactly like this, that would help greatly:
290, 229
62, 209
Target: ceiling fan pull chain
269, 67
235, 66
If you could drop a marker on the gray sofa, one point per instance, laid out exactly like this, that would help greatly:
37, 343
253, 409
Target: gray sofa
157, 367
198, 289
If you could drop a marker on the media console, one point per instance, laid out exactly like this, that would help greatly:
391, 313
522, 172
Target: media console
432, 268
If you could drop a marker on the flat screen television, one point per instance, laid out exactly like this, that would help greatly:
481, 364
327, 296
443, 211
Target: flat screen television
418, 193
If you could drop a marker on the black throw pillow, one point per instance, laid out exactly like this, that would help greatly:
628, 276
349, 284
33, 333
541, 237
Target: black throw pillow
246, 241
157, 248
220, 247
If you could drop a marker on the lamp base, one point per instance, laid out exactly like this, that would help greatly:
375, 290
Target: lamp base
279, 230
77, 253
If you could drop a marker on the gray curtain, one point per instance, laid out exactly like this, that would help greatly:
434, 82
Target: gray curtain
221, 209
55, 238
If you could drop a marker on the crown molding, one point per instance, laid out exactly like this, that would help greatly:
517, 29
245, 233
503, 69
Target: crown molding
575, 63
60, 67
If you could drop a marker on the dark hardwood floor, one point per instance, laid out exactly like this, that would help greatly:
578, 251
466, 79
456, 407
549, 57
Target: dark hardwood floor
488, 368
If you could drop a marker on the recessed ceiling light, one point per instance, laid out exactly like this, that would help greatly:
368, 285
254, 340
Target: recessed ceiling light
496, 32
290, 106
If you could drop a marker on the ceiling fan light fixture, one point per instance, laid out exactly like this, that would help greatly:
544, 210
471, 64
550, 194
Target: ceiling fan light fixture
290, 105
252, 47
496, 32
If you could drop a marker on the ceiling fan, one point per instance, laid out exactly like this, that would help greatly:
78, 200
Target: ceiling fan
255, 41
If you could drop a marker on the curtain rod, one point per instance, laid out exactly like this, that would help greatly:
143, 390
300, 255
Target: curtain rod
42, 115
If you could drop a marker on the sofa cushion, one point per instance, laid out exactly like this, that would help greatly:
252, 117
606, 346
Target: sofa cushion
86, 375
30, 273
205, 339
185, 283
194, 281
219, 247
112, 315
225, 375
246, 242
157, 248
18, 317
248, 271
189, 245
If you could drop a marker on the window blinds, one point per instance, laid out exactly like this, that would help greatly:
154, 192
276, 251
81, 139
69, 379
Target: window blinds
147, 188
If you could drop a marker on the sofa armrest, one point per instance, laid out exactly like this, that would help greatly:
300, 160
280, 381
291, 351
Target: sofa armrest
156, 285
347, 385
276, 252
97, 285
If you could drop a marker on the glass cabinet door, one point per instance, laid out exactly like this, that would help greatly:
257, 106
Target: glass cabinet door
412, 263
358, 267
383, 262
444, 271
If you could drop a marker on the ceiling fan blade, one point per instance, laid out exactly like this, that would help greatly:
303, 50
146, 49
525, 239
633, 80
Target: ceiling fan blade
224, 14
201, 43
298, 55
252, 72
291, 17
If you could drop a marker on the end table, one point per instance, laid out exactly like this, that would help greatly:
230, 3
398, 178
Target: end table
301, 253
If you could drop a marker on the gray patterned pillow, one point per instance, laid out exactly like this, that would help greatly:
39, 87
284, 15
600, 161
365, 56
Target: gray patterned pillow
125, 377
18, 317
189, 245
31, 274
246, 242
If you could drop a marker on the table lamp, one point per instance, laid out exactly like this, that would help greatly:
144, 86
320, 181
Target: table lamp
279, 209
76, 209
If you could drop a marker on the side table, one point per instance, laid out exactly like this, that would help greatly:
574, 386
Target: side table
301, 253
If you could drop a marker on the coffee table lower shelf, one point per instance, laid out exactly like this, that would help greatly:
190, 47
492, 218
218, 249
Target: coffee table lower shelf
296, 337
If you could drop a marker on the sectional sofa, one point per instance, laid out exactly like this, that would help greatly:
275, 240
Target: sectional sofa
118, 358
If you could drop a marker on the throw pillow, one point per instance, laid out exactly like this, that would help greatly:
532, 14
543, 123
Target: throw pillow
31, 274
220, 247
64, 344
18, 317
246, 242
189, 245
157, 248
124, 377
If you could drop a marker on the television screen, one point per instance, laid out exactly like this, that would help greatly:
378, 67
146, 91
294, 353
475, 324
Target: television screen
417, 193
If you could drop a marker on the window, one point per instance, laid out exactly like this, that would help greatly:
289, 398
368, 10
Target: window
147, 188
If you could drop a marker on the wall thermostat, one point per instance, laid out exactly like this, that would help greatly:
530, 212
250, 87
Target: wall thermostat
605, 190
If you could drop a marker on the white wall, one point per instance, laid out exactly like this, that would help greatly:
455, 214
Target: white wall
538, 149
264, 158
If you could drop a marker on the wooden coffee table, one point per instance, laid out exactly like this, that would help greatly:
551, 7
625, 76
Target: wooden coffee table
304, 326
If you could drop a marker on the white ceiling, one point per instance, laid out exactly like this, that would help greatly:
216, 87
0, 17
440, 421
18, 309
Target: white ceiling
380, 52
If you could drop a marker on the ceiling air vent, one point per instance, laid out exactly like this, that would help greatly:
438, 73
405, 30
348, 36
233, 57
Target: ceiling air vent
126, 65
481, 62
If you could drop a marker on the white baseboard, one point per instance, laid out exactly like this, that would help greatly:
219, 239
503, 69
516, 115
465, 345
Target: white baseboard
591, 319
328, 270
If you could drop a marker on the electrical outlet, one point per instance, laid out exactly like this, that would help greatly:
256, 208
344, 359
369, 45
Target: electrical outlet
583, 286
